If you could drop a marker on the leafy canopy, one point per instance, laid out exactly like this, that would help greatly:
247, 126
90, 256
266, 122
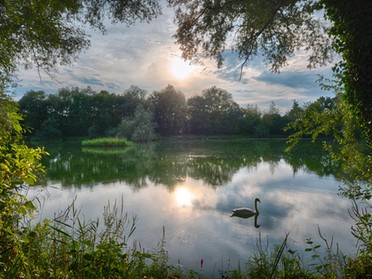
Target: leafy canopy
272, 28
276, 29
50, 33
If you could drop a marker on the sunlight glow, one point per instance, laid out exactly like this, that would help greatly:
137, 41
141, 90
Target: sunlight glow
183, 197
181, 69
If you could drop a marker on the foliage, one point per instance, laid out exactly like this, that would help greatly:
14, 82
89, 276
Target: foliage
283, 262
277, 29
215, 112
250, 120
353, 41
77, 112
140, 128
106, 142
265, 264
274, 29
19, 167
85, 113
362, 230
49, 33
67, 246
333, 117
197, 114
170, 109
70, 247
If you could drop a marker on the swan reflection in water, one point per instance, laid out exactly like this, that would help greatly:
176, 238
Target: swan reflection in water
244, 212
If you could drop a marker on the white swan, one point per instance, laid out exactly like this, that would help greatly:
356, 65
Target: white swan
245, 212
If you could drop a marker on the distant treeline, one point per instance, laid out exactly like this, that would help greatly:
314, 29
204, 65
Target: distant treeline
140, 117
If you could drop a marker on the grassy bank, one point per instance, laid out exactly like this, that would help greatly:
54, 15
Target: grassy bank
67, 247
106, 142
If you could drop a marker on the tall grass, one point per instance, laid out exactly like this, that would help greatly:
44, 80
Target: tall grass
106, 142
68, 247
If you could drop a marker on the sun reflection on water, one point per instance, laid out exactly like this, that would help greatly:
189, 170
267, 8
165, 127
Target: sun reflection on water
184, 197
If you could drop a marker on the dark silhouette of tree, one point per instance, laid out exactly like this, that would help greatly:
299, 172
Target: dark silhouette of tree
276, 29
170, 110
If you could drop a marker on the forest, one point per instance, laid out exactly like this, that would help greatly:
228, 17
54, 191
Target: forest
135, 115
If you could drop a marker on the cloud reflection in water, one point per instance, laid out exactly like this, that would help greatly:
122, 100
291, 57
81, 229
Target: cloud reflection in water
193, 198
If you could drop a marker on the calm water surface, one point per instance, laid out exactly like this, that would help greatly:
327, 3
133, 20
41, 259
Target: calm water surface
190, 188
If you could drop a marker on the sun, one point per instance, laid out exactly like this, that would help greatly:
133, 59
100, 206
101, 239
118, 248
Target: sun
181, 69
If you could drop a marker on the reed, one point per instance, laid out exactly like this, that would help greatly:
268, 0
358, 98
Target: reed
69, 247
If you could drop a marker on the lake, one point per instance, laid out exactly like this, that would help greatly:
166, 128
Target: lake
190, 187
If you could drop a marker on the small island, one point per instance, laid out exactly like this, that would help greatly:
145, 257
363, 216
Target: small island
106, 142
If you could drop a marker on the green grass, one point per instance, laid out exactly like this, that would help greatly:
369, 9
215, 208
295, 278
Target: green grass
106, 142
67, 247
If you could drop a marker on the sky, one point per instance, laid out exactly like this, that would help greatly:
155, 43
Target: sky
147, 56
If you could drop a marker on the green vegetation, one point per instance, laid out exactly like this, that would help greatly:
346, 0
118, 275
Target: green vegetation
283, 262
276, 30
87, 114
336, 120
106, 142
70, 247
48, 33
19, 166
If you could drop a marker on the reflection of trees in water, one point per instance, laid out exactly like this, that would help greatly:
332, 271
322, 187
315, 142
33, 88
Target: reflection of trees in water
169, 163
213, 171
313, 159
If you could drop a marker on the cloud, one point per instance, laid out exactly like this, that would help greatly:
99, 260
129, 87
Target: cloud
142, 55
92, 81
297, 80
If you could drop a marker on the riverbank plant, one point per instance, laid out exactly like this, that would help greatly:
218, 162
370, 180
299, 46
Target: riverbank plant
70, 247
106, 142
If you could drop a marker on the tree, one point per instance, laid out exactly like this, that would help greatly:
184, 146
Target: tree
273, 121
49, 130
276, 29
33, 106
272, 28
196, 109
140, 128
215, 112
223, 114
352, 31
251, 120
75, 112
295, 112
19, 166
169, 110
332, 118
48, 33
132, 97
